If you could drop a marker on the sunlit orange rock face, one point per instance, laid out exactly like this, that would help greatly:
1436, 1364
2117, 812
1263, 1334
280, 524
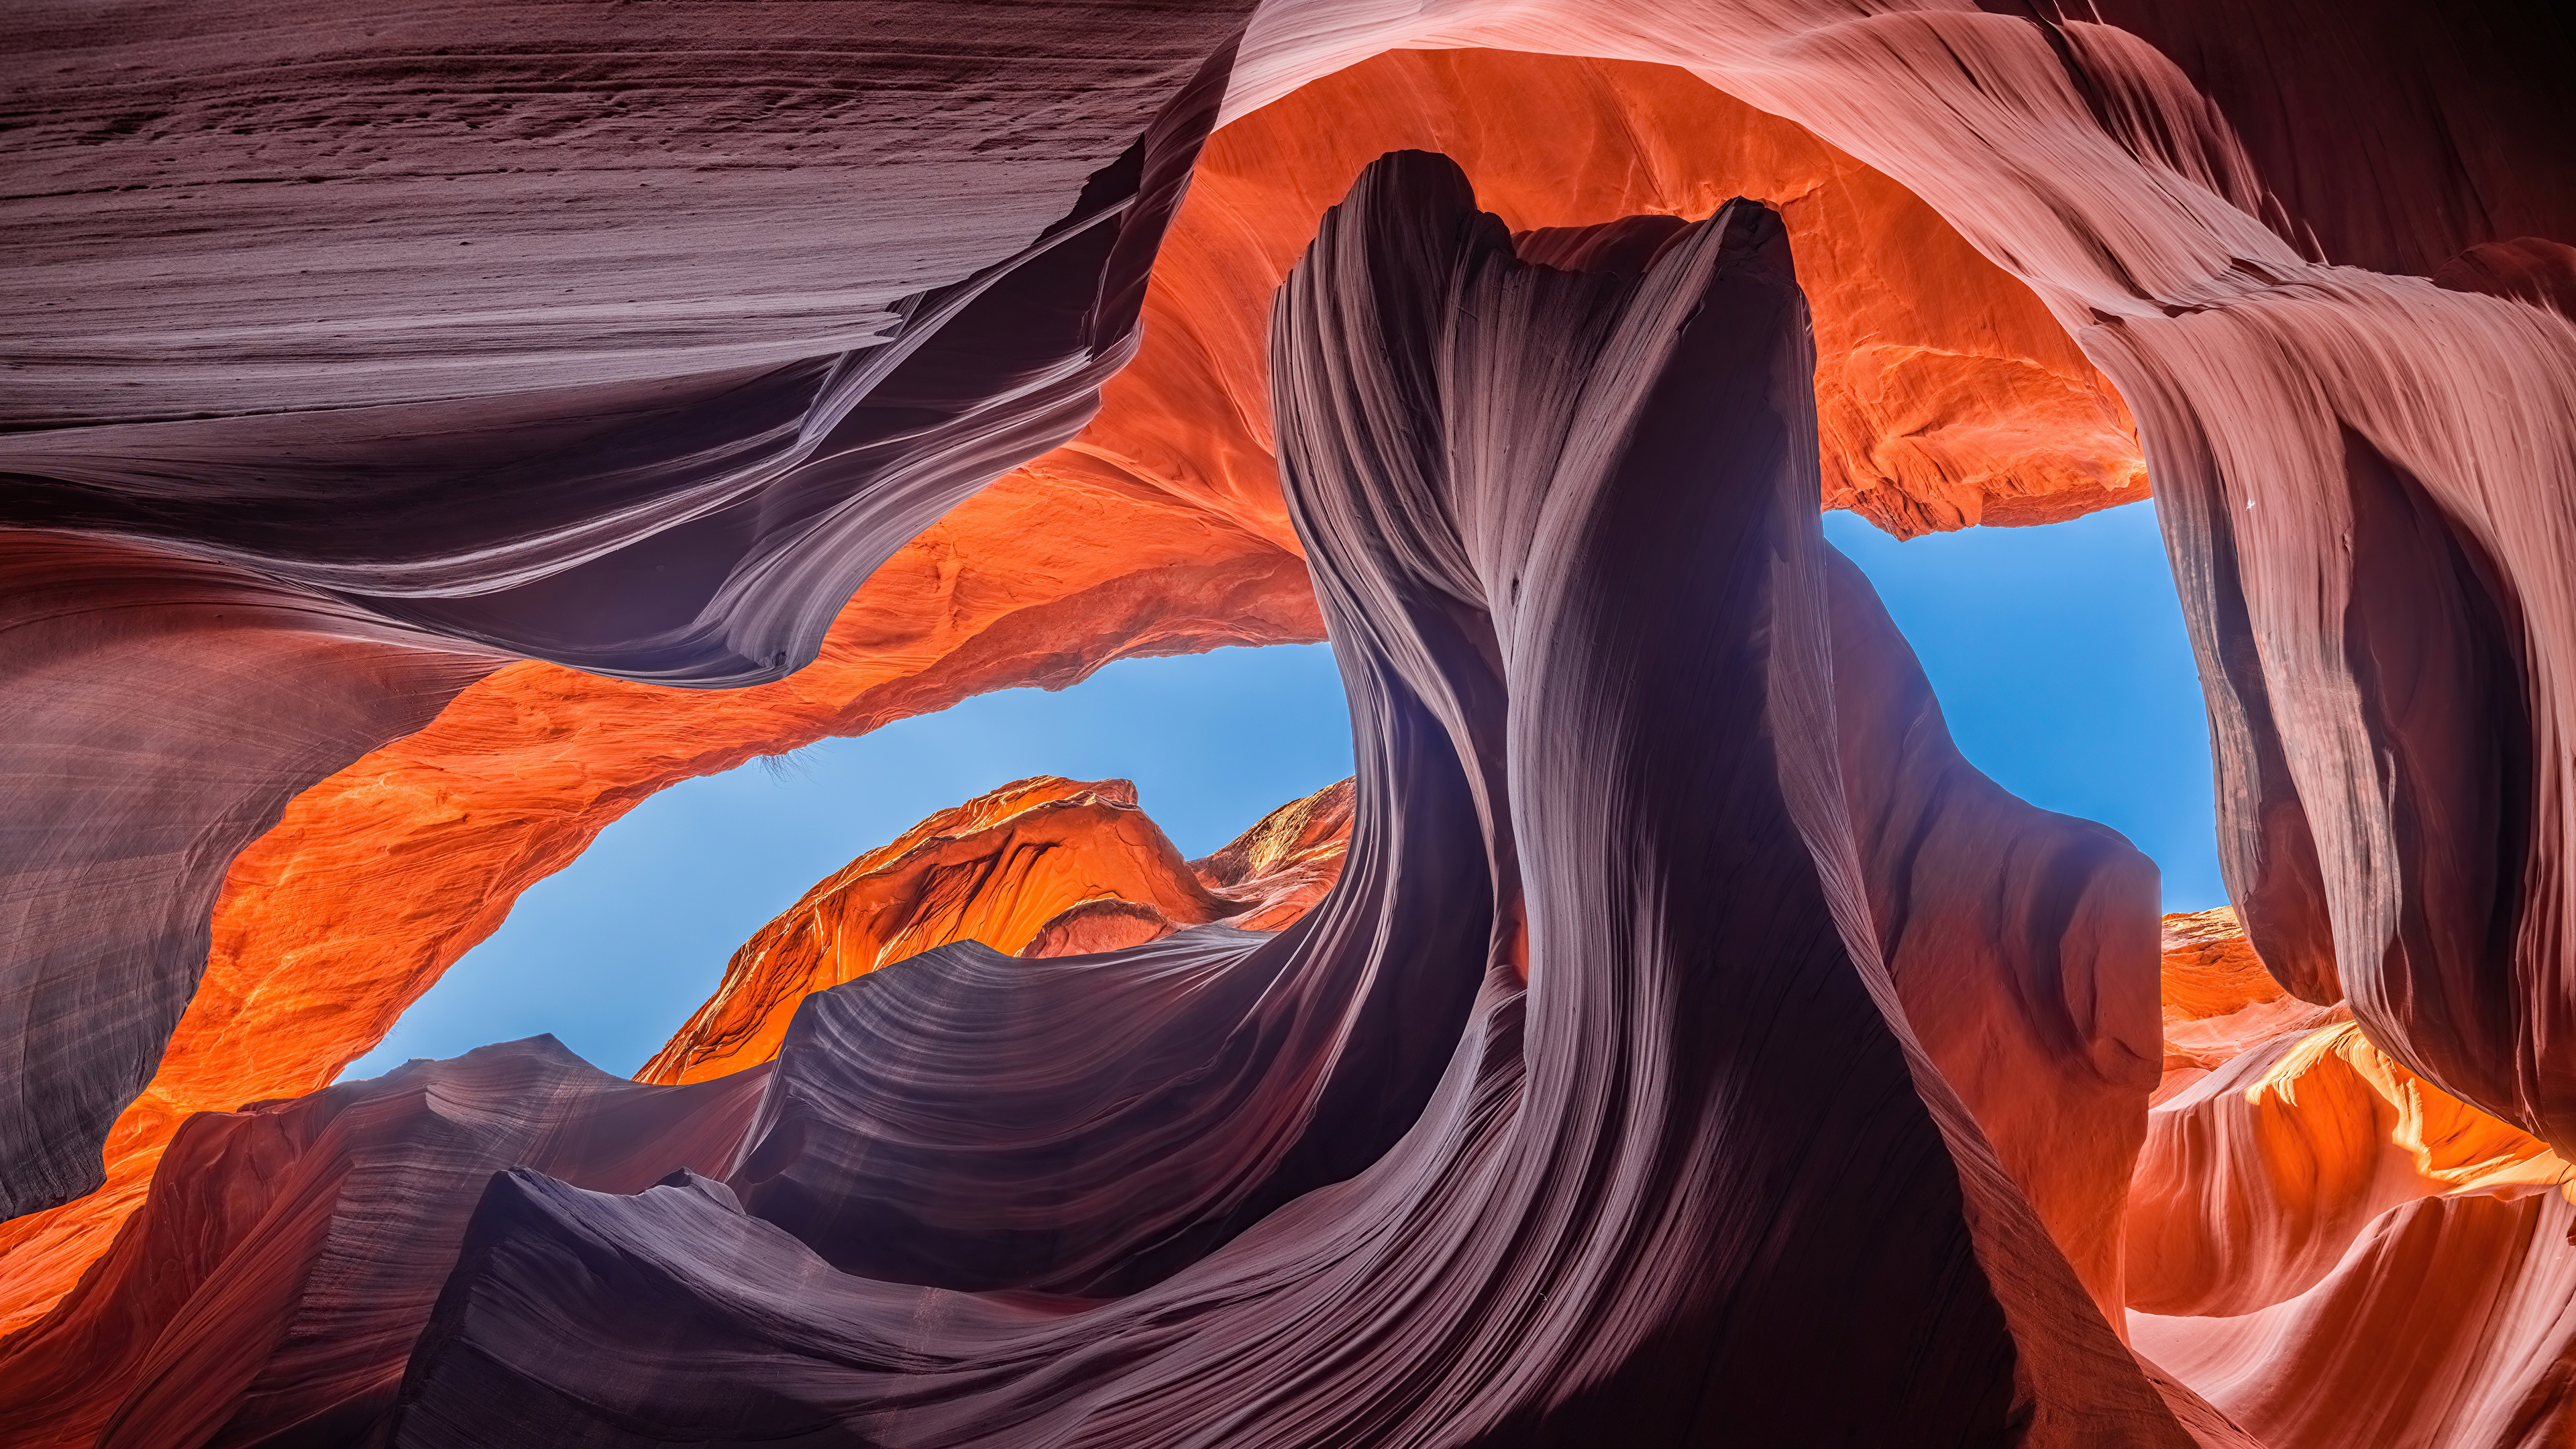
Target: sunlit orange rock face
1277, 870
1039, 867
380, 877
1044, 867
2218, 999
2326, 1245
1947, 396
2446, 1325
1054, 867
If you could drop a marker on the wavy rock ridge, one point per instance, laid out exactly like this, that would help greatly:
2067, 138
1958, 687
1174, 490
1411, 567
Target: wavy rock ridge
865, 1159
2332, 1249
202, 1240
703, 528
2329, 282
1040, 867
1948, 396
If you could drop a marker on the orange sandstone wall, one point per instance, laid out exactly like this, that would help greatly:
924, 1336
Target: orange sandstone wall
377, 879
2254, 1182
1277, 870
2328, 1247
1946, 394
1044, 866
2280, 1131
2219, 1002
290, 1254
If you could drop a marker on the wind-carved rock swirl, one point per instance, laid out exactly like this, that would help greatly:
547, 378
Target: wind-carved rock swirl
2330, 1247
1587, 1085
273, 1285
1947, 395
1544, 1125
2371, 551
199, 620
2340, 337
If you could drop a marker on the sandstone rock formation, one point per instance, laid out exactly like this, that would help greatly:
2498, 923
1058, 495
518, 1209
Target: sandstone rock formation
275, 1279
2410, 852
376, 879
354, 565
1040, 867
1424, 465
274, 547
2255, 1180
1326, 1037
2219, 1001
2331, 1249
1282, 866
1949, 397
1946, 394
2445, 1326
2021, 943
237, 1300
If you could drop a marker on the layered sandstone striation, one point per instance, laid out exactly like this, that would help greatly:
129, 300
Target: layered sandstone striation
2327, 1246
1665, 815
272, 1284
2020, 942
237, 1225
1206, 1138
2219, 1001
1486, 1103
2254, 1181
1038, 868
998, 869
2446, 1325
1947, 396
2363, 477
1280, 868
374, 881
367, 535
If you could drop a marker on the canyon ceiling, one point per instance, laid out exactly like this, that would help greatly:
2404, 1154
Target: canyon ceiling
429, 432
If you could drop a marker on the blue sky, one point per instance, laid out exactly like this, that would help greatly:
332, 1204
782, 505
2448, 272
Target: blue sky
2058, 653
2059, 656
613, 952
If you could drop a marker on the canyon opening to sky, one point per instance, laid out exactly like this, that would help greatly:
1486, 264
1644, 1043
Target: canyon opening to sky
2052, 648
1288, 723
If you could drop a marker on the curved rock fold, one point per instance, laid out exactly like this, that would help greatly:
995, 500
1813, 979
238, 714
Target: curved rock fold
1477, 549
430, 434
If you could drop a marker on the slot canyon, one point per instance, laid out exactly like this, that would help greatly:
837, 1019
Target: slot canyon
430, 433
